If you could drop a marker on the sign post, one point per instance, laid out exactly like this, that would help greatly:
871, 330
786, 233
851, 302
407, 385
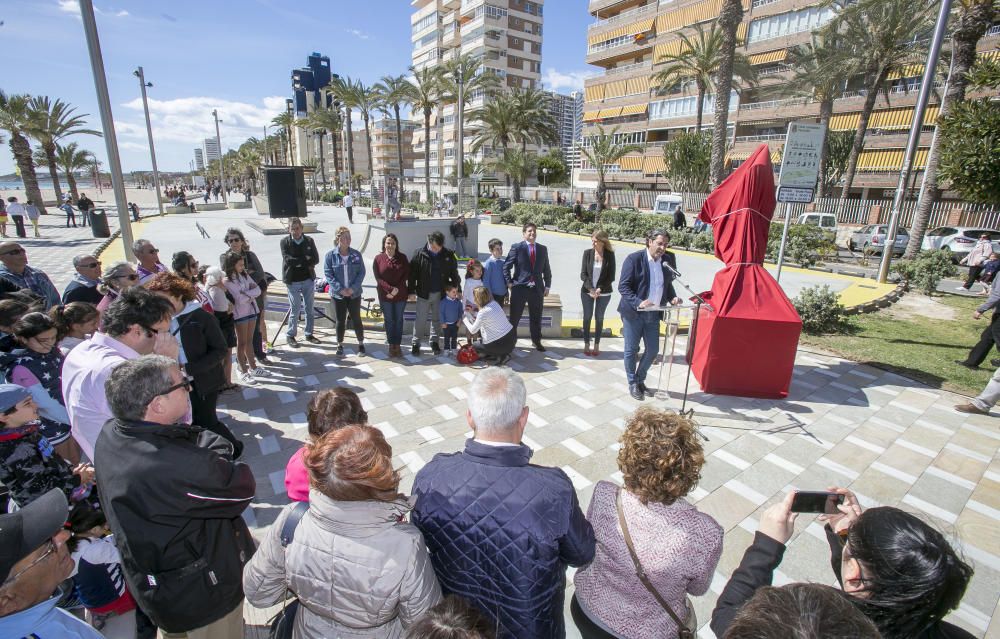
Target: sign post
799, 171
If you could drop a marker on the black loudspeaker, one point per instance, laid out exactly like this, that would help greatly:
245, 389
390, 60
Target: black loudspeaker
286, 191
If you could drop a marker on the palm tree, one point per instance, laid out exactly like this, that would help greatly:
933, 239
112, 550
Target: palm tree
730, 16
310, 125
879, 38
698, 62
286, 121
51, 121
464, 74
394, 92
424, 94
518, 165
817, 73
72, 158
368, 102
496, 123
533, 119
343, 89
603, 151
15, 118
330, 120
969, 25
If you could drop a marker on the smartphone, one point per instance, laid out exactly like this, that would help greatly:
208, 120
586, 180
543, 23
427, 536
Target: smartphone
806, 501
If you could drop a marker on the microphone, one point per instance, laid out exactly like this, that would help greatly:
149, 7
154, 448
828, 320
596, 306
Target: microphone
672, 269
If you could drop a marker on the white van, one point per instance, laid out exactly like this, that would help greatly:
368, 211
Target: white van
666, 204
826, 221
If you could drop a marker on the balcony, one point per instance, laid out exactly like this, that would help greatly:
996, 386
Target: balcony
760, 138
617, 50
596, 6
623, 16
629, 68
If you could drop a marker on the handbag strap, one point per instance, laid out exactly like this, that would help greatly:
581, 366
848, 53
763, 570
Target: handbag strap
288, 534
638, 566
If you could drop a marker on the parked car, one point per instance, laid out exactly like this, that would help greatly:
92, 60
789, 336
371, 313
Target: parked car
871, 239
826, 221
629, 209
958, 239
667, 203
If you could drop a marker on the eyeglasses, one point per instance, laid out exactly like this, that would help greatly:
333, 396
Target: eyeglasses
186, 385
233, 239
93, 265
51, 549
151, 251
131, 277
17, 251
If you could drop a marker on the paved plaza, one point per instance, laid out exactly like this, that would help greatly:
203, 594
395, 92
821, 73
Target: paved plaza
888, 438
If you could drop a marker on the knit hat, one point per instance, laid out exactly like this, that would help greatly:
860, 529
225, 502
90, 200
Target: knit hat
11, 395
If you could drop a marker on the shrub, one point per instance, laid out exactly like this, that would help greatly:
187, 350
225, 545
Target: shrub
926, 270
331, 196
807, 244
703, 241
819, 309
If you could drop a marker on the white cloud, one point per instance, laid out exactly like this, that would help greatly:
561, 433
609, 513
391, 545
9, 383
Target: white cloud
70, 6
358, 33
565, 81
121, 14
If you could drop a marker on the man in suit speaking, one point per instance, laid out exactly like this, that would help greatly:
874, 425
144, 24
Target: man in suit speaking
646, 282
529, 277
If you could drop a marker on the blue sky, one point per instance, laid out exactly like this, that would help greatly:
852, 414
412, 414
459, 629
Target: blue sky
235, 56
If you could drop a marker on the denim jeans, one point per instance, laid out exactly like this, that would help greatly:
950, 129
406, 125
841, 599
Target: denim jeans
392, 313
299, 292
450, 336
646, 328
593, 309
460, 247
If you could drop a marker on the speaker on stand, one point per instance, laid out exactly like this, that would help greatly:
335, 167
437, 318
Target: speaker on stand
286, 191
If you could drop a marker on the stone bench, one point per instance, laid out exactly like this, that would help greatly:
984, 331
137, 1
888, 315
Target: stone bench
270, 226
176, 210
240, 205
211, 206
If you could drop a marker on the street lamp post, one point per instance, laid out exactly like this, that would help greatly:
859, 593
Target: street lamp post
222, 168
460, 152
149, 132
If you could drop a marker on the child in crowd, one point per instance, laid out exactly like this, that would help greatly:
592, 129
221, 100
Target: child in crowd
989, 272
29, 467
74, 322
493, 278
451, 311
244, 292
222, 307
473, 279
98, 578
11, 310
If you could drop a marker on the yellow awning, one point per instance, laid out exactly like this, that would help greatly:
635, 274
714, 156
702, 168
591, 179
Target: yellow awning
674, 47
889, 159
741, 32
642, 26
638, 85
591, 115
631, 163
776, 156
609, 113
688, 16
593, 93
634, 109
909, 71
845, 122
615, 89
653, 165
769, 57
736, 156
989, 55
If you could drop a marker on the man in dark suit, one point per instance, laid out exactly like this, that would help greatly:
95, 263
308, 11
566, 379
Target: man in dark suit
646, 281
529, 277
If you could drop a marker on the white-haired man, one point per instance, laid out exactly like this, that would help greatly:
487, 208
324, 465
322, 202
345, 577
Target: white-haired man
500, 530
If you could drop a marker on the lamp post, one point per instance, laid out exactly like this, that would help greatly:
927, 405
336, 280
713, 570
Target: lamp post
460, 152
222, 167
149, 132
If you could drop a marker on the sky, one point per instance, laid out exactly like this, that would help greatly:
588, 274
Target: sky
235, 56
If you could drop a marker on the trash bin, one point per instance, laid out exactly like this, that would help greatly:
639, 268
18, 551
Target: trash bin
99, 223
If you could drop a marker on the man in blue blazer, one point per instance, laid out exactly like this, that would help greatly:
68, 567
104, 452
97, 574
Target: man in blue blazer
529, 278
646, 281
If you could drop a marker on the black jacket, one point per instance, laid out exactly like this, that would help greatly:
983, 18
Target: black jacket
205, 349
459, 230
756, 570
298, 260
77, 292
607, 279
419, 282
173, 497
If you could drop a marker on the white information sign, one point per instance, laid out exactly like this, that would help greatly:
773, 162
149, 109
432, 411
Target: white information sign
794, 195
800, 158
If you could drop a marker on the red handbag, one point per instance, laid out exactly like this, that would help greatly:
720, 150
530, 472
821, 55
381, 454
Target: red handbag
467, 354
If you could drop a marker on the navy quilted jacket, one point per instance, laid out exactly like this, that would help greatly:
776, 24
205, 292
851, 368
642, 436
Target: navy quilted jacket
501, 532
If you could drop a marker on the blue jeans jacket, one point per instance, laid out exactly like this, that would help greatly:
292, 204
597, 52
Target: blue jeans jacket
333, 268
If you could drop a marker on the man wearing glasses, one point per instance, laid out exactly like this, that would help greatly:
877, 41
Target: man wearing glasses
34, 560
137, 323
14, 268
149, 260
83, 286
174, 497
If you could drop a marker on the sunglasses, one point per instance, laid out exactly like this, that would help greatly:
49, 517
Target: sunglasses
93, 265
131, 277
186, 385
233, 239
51, 549
17, 251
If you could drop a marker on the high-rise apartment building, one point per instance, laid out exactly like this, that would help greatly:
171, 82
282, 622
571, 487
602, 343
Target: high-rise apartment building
629, 39
507, 34
308, 83
211, 148
567, 110
385, 153
199, 160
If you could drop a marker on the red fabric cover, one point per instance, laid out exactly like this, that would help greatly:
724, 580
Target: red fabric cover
746, 344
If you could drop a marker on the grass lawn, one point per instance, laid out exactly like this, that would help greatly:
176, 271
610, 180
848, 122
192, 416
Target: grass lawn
919, 337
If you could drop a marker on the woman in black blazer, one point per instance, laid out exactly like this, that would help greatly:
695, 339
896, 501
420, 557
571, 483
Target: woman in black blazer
598, 275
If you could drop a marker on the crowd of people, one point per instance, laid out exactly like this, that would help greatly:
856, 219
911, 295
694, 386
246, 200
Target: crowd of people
128, 491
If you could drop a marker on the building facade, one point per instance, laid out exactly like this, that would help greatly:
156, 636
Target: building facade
567, 110
199, 159
385, 155
308, 94
211, 151
507, 34
629, 39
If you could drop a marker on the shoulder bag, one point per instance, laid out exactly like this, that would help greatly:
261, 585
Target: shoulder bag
683, 631
281, 624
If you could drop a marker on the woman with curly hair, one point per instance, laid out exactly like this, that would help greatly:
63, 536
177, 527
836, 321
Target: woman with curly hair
677, 546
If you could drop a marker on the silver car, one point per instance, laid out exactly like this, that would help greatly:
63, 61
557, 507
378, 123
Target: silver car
871, 239
958, 239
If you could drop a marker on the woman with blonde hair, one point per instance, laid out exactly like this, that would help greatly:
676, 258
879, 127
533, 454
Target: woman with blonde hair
345, 271
116, 277
598, 275
497, 333
357, 568
676, 546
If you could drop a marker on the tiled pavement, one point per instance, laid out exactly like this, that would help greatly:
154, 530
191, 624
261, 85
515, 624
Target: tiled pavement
888, 438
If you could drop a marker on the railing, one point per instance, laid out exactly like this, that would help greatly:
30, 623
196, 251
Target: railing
762, 3
614, 44
774, 70
771, 104
847, 95
635, 66
992, 31
625, 15
760, 138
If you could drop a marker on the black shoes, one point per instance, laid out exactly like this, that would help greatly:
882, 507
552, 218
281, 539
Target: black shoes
416, 348
361, 349
995, 362
312, 339
635, 392
340, 349
645, 391
502, 360
539, 347
962, 362
435, 348
293, 342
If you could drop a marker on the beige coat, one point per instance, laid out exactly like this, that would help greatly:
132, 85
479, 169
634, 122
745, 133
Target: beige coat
358, 570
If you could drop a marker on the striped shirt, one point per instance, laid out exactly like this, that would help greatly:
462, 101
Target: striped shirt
490, 322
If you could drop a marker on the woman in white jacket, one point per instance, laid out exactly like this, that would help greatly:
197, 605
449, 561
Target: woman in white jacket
358, 569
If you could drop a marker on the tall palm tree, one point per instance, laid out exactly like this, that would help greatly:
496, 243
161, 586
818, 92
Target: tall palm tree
310, 125
879, 38
817, 73
730, 16
968, 26
330, 120
518, 165
393, 93
367, 99
15, 119
464, 75
51, 121
533, 117
496, 123
698, 62
603, 151
286, 121
343, 89
424, 94
72, 158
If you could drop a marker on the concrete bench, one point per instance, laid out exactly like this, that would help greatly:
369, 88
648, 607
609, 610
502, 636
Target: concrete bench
269, 226
240, 205
211, 206
176, 210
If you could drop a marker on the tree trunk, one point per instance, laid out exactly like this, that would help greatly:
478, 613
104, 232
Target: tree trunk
859, 138
336, 160
972, 22
730, 17
700, 106
825, 113
322, 160
50, 155
350, 151
427, 154
71, 179
399, 143
368, 145
22, 156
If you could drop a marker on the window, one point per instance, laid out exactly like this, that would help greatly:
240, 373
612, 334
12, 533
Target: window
686, 106
423, 23
788, 23
424, 41
490, 11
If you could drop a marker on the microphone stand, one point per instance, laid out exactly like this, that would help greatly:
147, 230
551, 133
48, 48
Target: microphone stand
699, 301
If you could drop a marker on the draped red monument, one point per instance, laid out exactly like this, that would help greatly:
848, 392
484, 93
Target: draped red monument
745, 345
